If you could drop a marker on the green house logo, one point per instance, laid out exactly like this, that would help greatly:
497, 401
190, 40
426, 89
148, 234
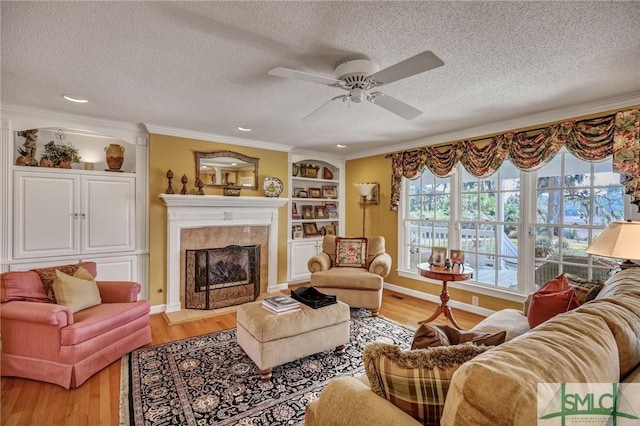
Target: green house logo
572, 404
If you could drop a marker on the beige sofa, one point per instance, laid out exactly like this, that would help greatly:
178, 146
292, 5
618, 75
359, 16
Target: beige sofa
599, 342
358, 287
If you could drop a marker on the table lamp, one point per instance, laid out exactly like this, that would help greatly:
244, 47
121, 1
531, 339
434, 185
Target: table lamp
364, 189
620, 240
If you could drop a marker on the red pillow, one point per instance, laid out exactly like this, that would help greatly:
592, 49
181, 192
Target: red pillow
554, 298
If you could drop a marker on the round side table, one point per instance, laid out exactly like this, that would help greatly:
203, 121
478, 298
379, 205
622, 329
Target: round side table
445, 276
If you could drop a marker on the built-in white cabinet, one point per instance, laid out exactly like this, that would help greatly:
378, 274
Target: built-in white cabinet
55, 216
300, 253
316, 208
110, 268
69, 213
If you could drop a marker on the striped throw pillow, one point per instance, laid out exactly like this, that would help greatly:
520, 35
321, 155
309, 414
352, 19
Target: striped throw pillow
416, 381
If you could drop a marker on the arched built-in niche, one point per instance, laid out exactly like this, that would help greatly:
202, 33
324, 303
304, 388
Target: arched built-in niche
91, 146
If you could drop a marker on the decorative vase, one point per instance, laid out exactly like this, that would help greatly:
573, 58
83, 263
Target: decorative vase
115, 157
23, 160
45, 162
64, 164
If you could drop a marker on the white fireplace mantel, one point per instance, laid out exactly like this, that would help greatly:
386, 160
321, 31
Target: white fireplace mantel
199, 211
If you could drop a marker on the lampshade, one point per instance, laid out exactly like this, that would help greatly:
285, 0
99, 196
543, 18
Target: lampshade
620, 240
364, 189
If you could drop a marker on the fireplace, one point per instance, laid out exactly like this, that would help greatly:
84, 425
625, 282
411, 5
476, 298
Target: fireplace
201, 222
221, 277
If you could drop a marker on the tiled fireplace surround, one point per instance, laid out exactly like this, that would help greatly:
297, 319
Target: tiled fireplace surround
210, 221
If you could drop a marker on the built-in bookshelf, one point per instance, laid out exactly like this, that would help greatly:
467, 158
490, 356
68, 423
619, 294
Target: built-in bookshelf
316, 194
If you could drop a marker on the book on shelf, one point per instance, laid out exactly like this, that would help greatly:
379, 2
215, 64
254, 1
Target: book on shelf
332, 210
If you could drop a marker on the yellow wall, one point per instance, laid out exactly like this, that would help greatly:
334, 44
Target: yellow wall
169, 152
381, 221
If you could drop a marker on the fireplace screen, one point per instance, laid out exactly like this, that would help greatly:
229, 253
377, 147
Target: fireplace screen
220, 277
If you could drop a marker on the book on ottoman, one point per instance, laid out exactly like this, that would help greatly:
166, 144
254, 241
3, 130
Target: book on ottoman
311, 297
281, 304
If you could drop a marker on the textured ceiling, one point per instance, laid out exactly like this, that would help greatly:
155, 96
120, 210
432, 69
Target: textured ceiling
203, 66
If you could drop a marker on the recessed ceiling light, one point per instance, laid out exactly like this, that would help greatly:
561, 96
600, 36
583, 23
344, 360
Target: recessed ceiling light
341, 146
74, 98
244, 129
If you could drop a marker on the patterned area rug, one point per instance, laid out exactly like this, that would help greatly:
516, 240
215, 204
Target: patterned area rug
208, 380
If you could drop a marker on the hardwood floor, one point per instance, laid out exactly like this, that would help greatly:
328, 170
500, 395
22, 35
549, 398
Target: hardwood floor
96, 402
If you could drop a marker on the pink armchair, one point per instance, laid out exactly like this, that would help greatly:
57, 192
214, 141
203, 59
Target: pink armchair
47, 342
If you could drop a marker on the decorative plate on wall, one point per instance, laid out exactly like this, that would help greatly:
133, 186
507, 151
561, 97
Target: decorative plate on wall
272, 187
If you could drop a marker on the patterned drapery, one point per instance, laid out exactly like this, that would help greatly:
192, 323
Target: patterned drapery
592, 140
626, 152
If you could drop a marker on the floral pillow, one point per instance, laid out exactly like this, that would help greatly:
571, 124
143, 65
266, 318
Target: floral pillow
351, 252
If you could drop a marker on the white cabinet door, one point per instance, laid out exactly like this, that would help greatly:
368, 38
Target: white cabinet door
301, 252
108, 214
46, 215
61, 214
122, 268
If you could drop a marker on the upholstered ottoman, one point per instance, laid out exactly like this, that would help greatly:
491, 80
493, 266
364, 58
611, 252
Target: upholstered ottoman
271, 339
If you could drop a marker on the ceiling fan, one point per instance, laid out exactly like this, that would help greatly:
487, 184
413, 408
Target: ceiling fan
359, 77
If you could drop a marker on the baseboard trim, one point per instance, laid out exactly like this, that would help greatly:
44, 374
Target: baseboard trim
436, 299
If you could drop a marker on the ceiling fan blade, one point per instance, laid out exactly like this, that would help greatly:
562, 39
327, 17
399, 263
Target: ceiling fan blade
313, 113
303, 76
421, 62
397, 107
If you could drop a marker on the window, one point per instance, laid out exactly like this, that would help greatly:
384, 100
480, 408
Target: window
518, 229
490, 224
575, 200
427, 225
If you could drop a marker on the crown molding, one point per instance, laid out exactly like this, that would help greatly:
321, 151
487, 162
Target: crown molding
310, 154
22, 117
212, 137
559, 114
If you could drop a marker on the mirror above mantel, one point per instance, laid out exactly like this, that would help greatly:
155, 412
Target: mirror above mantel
226, 168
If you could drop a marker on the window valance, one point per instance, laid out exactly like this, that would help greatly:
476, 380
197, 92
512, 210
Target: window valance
615, 135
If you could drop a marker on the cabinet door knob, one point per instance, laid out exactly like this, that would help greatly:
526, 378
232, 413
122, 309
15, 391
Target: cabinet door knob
75, 214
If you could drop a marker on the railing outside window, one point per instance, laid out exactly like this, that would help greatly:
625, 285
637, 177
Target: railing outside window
518, 229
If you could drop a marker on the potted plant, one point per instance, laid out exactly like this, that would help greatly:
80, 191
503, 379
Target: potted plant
544, 247
61, 155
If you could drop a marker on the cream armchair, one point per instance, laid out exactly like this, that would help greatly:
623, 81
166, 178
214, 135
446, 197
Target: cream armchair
357, 286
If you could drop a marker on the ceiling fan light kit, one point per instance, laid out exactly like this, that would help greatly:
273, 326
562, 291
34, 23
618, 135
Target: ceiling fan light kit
359, 69
359, 76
